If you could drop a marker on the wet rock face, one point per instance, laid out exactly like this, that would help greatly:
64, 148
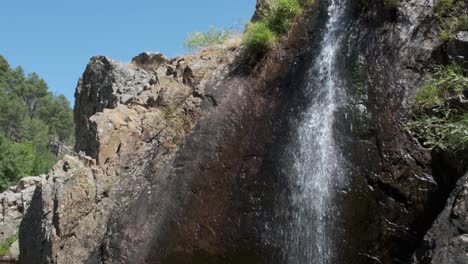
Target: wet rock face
447, 240
395, 192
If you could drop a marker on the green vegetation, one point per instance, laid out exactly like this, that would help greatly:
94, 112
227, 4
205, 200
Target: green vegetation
261, 35
452, 17
443, 7
391, 4
5, 246
452, 26
279, 20
258, 38
439, 125
30, 119
445, 82
449, 132
199, 40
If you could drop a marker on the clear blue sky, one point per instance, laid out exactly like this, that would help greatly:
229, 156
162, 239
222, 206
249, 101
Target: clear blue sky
56, 38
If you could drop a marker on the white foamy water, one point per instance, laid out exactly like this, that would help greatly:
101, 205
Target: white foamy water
316, 164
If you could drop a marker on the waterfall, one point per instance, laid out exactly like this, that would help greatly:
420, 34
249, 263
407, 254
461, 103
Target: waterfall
315, 168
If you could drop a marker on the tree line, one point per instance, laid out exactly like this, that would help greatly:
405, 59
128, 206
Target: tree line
31, 118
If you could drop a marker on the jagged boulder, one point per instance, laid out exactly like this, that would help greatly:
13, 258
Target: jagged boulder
105, 84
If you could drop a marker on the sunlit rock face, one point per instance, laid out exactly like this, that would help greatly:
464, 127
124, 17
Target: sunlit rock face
164, 151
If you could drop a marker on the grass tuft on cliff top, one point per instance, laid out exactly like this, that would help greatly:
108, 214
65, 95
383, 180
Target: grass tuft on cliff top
280, 18
198, 40
258, 38
261, 35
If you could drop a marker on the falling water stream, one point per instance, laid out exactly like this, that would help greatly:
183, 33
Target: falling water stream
316, 164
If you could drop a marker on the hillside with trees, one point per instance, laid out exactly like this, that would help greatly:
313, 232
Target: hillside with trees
32, 120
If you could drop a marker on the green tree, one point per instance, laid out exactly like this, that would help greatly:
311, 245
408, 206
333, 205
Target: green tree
35, 131
55, 111
31, 117
16, 161
12, 111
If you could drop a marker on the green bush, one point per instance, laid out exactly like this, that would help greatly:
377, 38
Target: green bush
391, 4
30, 118
199, 40
281, 16
441, 128
446, 81
452, 26
16, 161
443, 6
428, 96
452, 17
449, 132
258, 38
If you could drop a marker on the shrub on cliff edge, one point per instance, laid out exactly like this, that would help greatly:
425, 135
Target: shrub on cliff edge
261, 35
199, 40
258, 38
281, 16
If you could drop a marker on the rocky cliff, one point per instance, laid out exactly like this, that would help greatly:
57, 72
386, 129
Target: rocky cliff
179, 160
167, 151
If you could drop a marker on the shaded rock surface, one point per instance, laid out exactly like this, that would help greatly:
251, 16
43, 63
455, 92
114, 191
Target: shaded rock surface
14, 203
457, 48
447, 240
